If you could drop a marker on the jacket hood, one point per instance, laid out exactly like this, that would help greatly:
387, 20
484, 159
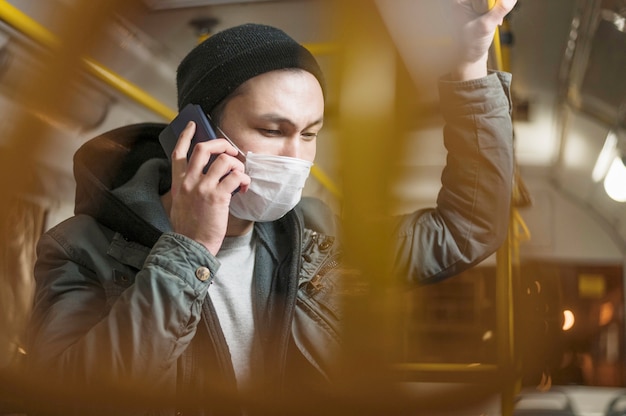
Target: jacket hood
119, 178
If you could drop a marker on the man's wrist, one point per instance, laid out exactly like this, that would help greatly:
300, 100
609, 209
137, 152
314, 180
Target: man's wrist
470, 70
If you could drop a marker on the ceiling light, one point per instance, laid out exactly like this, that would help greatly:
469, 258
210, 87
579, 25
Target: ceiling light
606, 156
615, 180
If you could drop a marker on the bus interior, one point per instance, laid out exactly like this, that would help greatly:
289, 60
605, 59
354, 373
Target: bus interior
538, 328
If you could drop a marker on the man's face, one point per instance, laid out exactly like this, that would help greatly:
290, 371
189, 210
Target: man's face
276, 113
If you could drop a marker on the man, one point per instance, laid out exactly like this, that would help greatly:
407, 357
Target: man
187, 283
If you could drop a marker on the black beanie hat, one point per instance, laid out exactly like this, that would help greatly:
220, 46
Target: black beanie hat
224, 61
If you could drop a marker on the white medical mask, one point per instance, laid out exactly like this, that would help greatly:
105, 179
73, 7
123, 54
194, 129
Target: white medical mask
275, 187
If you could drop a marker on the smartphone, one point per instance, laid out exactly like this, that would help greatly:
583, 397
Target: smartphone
204, 130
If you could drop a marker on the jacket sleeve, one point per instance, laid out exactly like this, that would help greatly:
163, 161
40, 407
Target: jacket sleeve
470, 220
96, 320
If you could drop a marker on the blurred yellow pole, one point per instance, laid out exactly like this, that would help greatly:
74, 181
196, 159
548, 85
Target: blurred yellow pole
367, 82
368, 133
45, 92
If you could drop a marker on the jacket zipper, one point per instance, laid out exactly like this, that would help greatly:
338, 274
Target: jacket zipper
316, 280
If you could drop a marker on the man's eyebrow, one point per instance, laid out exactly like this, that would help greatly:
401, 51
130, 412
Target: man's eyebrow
276, 118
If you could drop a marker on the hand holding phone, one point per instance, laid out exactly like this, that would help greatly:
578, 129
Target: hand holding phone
208, 222
204, 132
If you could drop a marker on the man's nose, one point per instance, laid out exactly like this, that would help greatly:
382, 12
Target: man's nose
291, 147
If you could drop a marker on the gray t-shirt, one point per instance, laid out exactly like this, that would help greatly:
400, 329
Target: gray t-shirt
231, 294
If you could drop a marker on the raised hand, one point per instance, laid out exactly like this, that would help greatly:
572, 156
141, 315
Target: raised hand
475, 27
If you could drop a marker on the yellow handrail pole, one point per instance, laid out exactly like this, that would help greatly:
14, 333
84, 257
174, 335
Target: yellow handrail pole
504, 288
504, 306
128, 88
